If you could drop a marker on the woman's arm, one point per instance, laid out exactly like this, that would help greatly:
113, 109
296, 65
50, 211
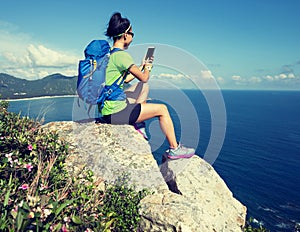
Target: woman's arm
130, 76
141, 75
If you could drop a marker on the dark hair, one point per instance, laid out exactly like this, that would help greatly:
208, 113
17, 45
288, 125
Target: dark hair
116, 26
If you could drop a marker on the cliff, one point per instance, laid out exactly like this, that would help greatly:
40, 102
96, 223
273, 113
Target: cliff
188, 194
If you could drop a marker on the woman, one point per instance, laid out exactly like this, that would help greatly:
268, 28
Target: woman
134, 109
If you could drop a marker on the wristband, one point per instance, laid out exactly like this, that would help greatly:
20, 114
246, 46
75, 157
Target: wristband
149, 68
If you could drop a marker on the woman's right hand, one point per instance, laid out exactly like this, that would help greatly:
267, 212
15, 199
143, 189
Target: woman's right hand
150, 60
148, 66
147, 61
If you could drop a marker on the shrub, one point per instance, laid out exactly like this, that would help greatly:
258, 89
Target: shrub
38, 194
122, 202
251, 228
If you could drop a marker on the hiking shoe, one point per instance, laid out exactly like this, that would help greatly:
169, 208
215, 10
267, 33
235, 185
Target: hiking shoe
180, 152
140, 127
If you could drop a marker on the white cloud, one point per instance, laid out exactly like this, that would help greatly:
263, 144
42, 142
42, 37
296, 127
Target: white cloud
206, 74
172, 76
279, 77
17, 59
255, 80
23, 57
282, 76
236, 78
45, 57
220, 80
268, 77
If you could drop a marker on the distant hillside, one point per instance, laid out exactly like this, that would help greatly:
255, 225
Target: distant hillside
53, 85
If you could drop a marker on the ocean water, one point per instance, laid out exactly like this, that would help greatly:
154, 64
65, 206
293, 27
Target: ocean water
260, 159
260, 155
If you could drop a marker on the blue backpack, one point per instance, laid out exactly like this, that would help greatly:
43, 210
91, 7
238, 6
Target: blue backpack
91, 86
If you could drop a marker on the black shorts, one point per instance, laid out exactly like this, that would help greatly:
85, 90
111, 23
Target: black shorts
129, 115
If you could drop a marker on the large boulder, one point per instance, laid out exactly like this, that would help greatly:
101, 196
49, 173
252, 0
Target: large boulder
188, 194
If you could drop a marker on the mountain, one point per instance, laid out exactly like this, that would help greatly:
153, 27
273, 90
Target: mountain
53, 85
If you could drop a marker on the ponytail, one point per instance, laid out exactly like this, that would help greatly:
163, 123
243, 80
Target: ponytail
117, 26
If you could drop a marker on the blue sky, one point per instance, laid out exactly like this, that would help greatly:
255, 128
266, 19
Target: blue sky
244, 44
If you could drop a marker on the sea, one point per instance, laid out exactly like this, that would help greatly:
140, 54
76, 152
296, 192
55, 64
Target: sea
256, 136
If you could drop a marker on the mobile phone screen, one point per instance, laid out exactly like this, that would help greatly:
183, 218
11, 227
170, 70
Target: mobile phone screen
149, 53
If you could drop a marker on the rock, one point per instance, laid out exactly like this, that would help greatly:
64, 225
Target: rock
110, 151
188, 193
202, 201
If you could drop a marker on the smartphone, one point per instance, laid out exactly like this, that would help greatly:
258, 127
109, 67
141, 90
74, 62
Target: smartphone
149, 53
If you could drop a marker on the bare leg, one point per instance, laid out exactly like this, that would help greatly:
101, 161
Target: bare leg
149, 110
137, 93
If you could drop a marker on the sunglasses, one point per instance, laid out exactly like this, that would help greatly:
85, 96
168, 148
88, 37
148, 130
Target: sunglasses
130, 33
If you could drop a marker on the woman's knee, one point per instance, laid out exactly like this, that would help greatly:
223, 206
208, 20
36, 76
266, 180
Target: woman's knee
150, 110
164, 109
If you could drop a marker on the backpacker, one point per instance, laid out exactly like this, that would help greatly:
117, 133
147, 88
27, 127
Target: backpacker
91, 75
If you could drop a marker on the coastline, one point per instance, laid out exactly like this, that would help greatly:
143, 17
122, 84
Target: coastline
37, 98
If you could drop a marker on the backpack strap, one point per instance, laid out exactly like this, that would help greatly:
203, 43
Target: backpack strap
113, 92
123, 76
115, 50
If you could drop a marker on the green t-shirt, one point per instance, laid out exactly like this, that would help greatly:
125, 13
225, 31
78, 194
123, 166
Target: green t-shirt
119, 63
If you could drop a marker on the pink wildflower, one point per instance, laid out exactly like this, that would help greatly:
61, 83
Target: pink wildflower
29, 147
64, 228
29, 167
52, 227
88, 230
24, 186
15, 209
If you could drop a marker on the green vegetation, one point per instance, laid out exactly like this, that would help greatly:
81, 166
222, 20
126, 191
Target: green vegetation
38, 194
122, 202
251, 228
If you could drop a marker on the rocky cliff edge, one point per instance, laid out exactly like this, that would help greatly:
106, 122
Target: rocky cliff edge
188, 194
